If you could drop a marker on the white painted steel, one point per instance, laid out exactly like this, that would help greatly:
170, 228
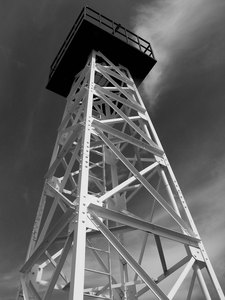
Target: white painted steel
105, 125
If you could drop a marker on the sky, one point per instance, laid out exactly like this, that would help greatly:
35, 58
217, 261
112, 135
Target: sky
184, 94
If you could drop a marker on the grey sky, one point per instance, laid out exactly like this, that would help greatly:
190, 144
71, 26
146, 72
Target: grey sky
184, 95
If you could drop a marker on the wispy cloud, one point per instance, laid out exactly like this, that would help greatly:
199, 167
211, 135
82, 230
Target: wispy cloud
178, 28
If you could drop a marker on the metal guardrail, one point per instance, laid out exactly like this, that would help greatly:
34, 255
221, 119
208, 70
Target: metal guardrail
108, 25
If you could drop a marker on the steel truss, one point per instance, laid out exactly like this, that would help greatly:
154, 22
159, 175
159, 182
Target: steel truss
111, 212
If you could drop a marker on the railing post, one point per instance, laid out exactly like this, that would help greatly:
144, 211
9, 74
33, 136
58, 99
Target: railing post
100, 20
126, 35
139, 43
113, 27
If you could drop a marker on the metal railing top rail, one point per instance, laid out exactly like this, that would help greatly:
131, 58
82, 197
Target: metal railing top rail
108, 25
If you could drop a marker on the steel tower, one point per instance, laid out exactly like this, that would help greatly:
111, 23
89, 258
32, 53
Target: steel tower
112, 221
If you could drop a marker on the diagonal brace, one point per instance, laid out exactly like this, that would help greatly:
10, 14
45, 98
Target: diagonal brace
142, 225
49, 239
146, 184
125, 137
128, 258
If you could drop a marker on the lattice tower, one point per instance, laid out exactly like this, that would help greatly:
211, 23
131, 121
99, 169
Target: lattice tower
112, 221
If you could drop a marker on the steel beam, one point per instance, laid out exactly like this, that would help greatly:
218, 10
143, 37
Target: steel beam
143, 225
181, 278
127, 138
128, 258
50, 237
58, 268
147, 185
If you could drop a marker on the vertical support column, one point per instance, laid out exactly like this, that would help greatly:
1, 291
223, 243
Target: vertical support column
79, 242
117, 198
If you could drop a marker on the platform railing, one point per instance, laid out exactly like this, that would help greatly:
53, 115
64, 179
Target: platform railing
108, 25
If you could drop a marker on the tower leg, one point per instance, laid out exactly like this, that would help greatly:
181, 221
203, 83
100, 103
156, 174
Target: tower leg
78, 254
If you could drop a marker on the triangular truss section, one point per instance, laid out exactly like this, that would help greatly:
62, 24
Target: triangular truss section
112, 222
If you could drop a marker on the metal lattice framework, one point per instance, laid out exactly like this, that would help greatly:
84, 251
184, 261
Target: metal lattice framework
112, 221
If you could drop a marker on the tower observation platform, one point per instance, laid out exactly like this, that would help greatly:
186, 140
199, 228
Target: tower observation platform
93, 31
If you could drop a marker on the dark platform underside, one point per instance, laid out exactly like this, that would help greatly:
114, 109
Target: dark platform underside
87, 38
